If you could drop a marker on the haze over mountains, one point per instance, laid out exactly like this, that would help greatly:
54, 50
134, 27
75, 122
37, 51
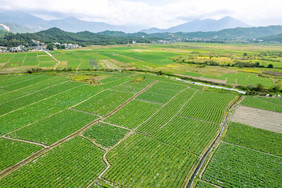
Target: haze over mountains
22, 22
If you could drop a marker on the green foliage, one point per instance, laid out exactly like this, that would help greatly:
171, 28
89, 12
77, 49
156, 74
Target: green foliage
234, 166
263, 103
254, 138
104, 102
105, 134
146, 162
54, 128
75, 163
133, 114
13, 152
207, 106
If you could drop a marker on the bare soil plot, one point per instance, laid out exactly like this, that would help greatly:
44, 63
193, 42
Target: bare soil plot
258, 118
205, 79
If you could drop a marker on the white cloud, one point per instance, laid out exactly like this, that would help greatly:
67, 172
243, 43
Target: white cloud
158, 14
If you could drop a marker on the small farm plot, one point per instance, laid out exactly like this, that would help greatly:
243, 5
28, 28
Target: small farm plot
258, 118
46, 107
104, 102
254, 138
133, 114
54, 128
75, 163
105, 134
272, 104
234, 166
30, 90
146, 162
161, 92
207, 106
13, 152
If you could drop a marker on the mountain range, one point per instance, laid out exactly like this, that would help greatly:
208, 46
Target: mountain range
201, 25
21, 22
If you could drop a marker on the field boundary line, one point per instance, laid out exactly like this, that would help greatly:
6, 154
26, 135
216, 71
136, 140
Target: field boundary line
211, 146
25, 141
115, 125
35, 92
58, 62
32, 157
160, 108
23, 60
179, 110
132, 131
40, 100
70, 108
149, 102
250, 149
188, 117
210, 183
23, 87
17, 83
210, 155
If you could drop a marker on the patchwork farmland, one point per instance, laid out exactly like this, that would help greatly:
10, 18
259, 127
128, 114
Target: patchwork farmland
105, 124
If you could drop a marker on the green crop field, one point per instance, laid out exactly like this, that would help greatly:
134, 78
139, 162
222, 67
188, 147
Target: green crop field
119, 116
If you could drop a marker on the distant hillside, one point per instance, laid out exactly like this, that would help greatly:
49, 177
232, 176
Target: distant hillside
273, 38
236, 34
71, 24
14, 28
202, 25
83, 38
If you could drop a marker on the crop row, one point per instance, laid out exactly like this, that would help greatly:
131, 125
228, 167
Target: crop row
234, 166
54, 128
34, 88
254, 138
188, 134
207, 106
75, 163
133, 114
166, 113
56, 103
37, 96
13, 152
105, 134
104, 102
265, 104
142, 161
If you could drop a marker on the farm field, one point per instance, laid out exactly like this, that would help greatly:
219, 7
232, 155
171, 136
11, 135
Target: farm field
111, 129
229, 64
117, 116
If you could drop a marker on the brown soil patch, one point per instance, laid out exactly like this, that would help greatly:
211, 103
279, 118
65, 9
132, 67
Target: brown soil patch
205, 79
140, 50
177, 50
258, 118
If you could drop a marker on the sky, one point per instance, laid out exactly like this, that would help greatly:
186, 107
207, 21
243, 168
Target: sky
152, 13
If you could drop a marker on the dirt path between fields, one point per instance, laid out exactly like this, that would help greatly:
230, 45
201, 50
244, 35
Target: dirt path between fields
218, 81
179, 110
58, 62
35, 155
19, 140
258, 118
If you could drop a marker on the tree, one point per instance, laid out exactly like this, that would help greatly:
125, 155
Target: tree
50, 46
270, 66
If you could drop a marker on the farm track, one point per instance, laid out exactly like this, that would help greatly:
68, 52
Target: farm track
160, 108
79, 132
251, 149
40, 100
29, 142
58, 62
179, 110
215, 142
22, 88
34, 92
